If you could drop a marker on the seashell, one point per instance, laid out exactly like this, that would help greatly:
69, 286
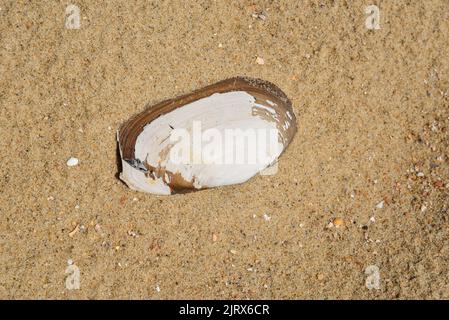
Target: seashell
222, 134
72, 162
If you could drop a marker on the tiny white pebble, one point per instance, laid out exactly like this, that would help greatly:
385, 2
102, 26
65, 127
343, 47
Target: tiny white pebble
220, 45
50, 198
266, 217
372, 219
420, 174
260, 60
158, 289
70, 262
380, 205
72, 162
77, 207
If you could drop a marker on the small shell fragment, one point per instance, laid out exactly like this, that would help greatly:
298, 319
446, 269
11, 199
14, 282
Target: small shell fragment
262, 15
74, 231
380, 205
222, 134
338, 222
260, 61
72, 162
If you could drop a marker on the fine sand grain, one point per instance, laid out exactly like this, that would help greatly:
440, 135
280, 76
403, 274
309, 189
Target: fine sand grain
365, 181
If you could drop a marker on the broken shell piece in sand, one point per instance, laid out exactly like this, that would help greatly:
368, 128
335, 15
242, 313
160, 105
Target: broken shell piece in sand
72, 162
222, 134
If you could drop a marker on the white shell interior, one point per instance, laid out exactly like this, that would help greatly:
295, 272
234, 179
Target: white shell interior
233, 112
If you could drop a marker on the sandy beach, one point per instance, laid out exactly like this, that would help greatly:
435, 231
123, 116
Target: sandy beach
363, 185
